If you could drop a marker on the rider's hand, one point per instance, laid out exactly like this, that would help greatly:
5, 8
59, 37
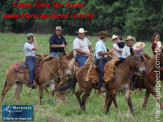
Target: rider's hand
63, 45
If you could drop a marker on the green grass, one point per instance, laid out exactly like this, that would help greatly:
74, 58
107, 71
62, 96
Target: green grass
12, 50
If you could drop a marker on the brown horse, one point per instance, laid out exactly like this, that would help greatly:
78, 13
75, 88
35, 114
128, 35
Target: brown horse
86, 86
148, 82
48, 72
121, 80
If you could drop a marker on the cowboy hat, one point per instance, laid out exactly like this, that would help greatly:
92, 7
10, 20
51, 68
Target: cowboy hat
129, 37
139, 45
58, 28
103, 34
114, 37
81, 30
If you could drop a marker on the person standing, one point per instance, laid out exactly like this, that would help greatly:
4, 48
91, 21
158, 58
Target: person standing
82, 47
156, 44
57, 43
30, 48
101, 54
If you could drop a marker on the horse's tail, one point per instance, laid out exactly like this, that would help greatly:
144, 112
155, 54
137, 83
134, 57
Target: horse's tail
69, 86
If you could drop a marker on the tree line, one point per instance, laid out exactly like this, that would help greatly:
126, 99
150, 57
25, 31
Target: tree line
139, 18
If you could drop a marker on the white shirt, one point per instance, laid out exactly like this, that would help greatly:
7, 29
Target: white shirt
100, 47
126, 52
28, 49
117, 53
82, 44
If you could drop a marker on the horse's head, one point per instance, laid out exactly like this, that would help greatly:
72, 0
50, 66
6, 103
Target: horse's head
136, 62
63, 65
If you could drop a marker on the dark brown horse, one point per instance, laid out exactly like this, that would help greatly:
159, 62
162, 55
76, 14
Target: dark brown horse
121, 80
148, 82
48, 72
86, 86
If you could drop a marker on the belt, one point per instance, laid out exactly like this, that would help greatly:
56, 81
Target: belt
30, 56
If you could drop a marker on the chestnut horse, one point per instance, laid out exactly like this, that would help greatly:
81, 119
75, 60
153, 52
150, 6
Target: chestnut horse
48, 72
148, 82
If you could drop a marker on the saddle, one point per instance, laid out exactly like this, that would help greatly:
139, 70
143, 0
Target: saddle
21, 67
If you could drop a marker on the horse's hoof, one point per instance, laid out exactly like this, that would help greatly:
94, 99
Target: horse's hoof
103, 108
106, 112
143, 107
82, 107
161, 108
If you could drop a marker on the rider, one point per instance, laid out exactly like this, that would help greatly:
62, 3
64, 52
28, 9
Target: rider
101, 54
82, 47
118, 45
30, 48
57, 43
126, 52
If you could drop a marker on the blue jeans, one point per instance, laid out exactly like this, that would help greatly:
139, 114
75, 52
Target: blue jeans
31, 66
100, 64
55, 54
81, 59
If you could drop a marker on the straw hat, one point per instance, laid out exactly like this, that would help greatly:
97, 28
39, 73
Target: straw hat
130, 37
114, 37
103, 34
81, 30
59, 28
139, 45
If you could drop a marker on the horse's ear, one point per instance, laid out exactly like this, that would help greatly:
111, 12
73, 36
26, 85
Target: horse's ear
132, 51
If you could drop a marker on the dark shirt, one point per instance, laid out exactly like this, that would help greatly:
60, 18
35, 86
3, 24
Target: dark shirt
55, 40
121, 44
154, 46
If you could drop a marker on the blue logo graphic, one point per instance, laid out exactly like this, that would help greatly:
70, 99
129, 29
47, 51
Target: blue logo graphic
17, 112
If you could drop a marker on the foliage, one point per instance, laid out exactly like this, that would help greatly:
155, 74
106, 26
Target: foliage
140, 18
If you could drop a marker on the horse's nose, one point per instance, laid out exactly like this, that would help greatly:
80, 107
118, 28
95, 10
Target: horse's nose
68, 73
142, 70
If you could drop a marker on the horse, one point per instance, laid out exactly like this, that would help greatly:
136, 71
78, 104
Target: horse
121, 80
48, 72
86, 86
148, 82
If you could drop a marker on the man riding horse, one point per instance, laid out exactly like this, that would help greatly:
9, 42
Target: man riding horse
82, 47
30, 50
101, 56
57, 43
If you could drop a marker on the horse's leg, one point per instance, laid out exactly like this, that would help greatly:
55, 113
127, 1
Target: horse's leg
84, 98
109, 100
46, 89
41, 89
17, 93
153, 92
5, 89
114, 101
146, 99
128, 99
77, 94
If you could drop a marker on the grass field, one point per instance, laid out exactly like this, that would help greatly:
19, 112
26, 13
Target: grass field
12, 50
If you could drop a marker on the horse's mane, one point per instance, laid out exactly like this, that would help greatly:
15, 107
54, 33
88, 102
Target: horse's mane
120, 61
